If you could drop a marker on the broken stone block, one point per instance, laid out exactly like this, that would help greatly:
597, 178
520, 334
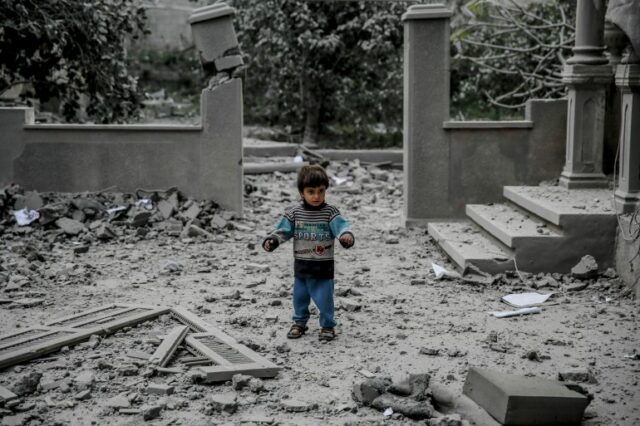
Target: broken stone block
227, 63
27, 383
406, 406
70, 226
196, 231
33, 200
159, 389
17, 420
256, 385
448, 420
580, 376
349, 305
84, 380
365, 392
140, 218
586, 269
192, 212
226, 402
165, 208
119, 401
240, 381
82, 396
6, 395
294, 406
218, 222
151, 412
512, 399
81, 249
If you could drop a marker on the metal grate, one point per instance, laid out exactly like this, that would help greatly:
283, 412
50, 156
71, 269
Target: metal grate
104, 320
224, 350
20, 336
82, 318
193, 327
36, 341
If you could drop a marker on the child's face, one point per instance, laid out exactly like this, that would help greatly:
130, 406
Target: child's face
314, 195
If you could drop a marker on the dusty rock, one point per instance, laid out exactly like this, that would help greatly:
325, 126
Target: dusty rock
151, 412
85, 380
406, 406
295, 406
27, 383
159, 389
70, 226
240, 381
226, 402
447, 420
586, 269
365, 392
581, 376
119, 401
84, 395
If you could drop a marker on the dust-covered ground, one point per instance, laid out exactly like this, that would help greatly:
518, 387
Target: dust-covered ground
395, 318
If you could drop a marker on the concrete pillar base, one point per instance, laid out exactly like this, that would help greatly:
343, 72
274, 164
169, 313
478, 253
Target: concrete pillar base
571, 180
626, 202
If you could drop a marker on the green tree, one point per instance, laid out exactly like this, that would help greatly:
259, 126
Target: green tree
315, 65
62, 49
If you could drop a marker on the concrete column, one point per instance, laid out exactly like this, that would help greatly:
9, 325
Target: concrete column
589, 45
12, 121
587, 74
426, 108
627, 195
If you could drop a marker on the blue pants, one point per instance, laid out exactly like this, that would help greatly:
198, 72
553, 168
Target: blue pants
318, 290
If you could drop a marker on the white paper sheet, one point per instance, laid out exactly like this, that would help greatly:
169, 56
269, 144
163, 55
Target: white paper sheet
26, 216
524, 300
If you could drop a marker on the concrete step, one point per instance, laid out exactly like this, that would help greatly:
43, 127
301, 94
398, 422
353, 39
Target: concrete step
467, 244
511, 225
561, 206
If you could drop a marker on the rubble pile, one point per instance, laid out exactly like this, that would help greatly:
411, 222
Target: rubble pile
397, 317
104, 216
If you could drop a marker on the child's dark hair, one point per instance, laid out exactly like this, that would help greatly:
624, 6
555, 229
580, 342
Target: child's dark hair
312, 176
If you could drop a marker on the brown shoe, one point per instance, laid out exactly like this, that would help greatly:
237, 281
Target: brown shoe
296, 331
327, 334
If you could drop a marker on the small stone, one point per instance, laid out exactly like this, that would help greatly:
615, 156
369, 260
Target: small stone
294, 406
6, 395
448, 420
27, 384
365, 392
17, 420
240, 381
256, 385
586, 269
406, 406
70, 226
165, 208
226, 402
430, 351
151, 412
84, 380
119, 401
391, 240
81, 249
159, 389
104, 232
84, 395
417, 281
580, 376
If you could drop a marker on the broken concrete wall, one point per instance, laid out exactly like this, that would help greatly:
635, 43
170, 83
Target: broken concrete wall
203, 161
447, 163
627, 257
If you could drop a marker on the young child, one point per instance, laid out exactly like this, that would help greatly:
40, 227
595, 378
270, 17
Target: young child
313, 225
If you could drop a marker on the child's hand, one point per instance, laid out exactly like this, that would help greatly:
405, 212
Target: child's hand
346, 240
268, 245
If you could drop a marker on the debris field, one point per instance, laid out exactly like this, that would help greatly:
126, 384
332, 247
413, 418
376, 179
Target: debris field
405, 338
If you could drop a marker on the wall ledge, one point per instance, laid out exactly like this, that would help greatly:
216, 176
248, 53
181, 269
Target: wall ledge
520, 124
115, 127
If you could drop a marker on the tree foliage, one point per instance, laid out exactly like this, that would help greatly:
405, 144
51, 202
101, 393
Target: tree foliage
62, 49
322, 65
508, 53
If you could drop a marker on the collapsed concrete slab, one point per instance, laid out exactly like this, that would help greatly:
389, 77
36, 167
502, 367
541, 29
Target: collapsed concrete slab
223, 355
519, 400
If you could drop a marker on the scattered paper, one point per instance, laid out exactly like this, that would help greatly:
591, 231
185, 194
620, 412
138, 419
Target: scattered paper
26, 216
523, 311
144, 203
388, 412
339, 180
441, 272
525, 300
116, 209
298, 159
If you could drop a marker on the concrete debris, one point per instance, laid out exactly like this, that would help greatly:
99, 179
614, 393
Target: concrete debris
6, 395
224, 402
27, 383
511, 399
365, 392
159, 389
295, 406
151, 412
406, 406
582, 376
586, 269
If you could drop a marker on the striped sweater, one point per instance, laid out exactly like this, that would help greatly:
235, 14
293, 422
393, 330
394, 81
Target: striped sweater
313, 230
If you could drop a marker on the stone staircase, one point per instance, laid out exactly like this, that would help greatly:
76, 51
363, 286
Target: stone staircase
536, 229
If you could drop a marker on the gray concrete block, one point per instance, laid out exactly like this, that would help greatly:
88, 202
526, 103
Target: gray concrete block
519, 400
6, 395
159, 389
